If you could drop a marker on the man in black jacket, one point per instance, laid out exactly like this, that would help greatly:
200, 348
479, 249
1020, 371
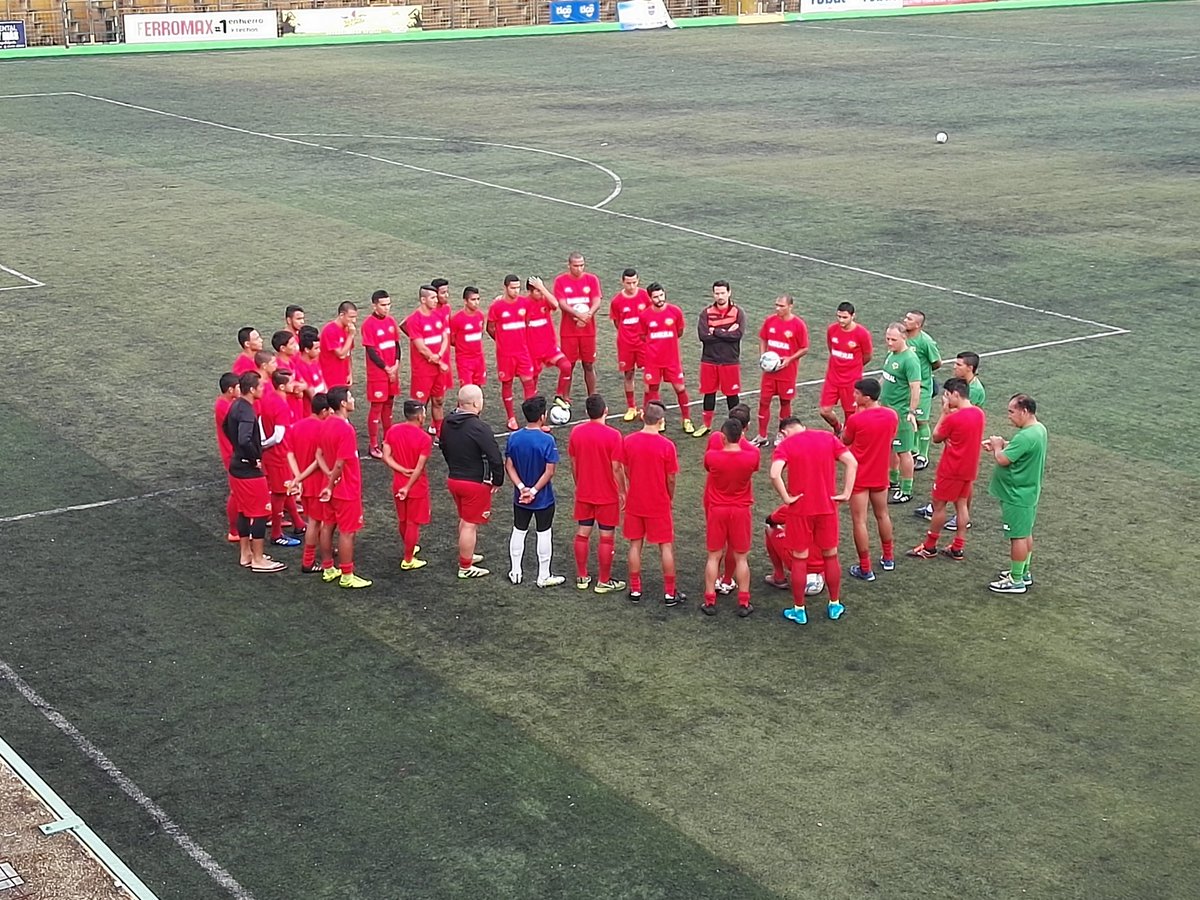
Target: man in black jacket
476, 471
247, 480
720, 328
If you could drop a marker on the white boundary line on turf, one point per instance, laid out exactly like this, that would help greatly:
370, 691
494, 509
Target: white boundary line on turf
617, 183
30, 281
189, 846
604, 211
165, 492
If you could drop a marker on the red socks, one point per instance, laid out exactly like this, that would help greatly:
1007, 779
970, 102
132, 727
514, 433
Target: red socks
799, 575
506, 396
608, 548
685, 404
833, 578
629, 399
581, 556
411, 532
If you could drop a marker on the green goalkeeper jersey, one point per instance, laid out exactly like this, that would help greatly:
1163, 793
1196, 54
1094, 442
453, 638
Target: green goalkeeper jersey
1020, 482
928, 353
899, 370
977, 393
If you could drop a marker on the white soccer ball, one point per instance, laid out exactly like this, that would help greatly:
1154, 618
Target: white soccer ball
941, 137
559, 415
770, 361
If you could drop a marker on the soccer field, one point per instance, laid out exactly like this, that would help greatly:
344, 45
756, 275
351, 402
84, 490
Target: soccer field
429, 738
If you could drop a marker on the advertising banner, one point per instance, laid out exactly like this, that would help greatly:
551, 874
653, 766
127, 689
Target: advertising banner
637, 14
808, 7
12, 35
563, 12
351, 20
243, 25
908, 3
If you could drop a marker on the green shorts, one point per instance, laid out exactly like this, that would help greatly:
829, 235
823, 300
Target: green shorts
1018, 520
906, 436
925, 405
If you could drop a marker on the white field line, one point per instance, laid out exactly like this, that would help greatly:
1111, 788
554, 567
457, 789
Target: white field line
166, 492
990, 40
604, 211
189, 846
617, 184
45, 94
30, 281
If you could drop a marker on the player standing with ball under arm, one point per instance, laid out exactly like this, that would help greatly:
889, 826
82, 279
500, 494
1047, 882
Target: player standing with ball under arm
786, 334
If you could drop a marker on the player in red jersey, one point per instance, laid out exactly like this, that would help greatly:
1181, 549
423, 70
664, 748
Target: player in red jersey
306, 367
287, 356
868, 434
251, 342
466, 331
337, 343
626, 310
579, 297
850, 350
406, 450
508, 317
293, 320
727, 584
309, 479
651, 464
728, 499
810, 460
442, 286
426, 330
595, 452
661, 328
381, 345
720, 328
776, 540
960, 429
228, 385
784, 333
544, 351
337, 454
275, 414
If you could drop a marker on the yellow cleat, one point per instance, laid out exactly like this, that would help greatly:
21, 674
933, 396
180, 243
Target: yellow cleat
688, 427
407, 565
630, 414
354, 581
331, 574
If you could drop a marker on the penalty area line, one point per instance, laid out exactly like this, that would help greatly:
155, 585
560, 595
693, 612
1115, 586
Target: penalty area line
184, 841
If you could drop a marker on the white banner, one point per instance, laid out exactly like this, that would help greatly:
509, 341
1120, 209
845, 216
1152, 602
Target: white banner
351, 20
242, 25
636, 14
825, 6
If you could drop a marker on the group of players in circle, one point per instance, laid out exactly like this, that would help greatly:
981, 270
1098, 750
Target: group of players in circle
284, 431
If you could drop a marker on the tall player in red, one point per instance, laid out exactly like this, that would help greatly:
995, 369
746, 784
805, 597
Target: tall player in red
626, 310
466, 332
595, 451
868, 434
850, 350
228, 385
251, 342
425, 327
337, 343
810, 460
445, 310
307, 474
508, 317
381, 343
406, 450
544, 351
784, 333
728, 500
337, 452
651, 464
579, 297
662, 326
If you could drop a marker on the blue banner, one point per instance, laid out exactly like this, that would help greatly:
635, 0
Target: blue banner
563, 12
12, 35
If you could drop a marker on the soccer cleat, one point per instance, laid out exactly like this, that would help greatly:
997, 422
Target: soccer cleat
332, 574
583, 583
814, 584
551, 581
951, 553
676, 599
475, 557
688, 427
407, 565
1027, 578
893, 485
924, 512
744, 609
952, 524
635, 596
608, 587
512, 424
314, 569
285, 541
725, 587
709, 609
515, 577
920, 463
473, 571
834, 610
1007, 586
761, 441
701, 431
922, 552
562, 402
630, 414
375, 453
796, 614
780, 583
857, 571
353, 581
898, 496
888, 565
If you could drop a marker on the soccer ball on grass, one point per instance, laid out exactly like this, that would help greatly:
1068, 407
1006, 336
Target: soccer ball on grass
559, 415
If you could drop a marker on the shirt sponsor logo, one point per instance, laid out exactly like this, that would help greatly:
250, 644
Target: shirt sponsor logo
779, 345
630, 320
661, 335
841, 354
512, 326
473, 336
538, 323
386, 345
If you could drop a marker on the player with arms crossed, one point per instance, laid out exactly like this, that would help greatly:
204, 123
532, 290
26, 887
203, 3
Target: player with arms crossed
337, 343
868, 434
337, 454
902, 392
785, 334
662, 326
381, 344
475, 471
651, 464
544, 351
720, 328
728, 503
406, 450
931, 359
1017, 484
530, 459
466, 331
426, 330
595, 452
508, 318
626, 310
850, 350
579, 297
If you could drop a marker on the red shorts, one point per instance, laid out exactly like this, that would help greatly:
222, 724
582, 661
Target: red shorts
347, 515
547, 360
862, 488
726, 379
414, 509
316, 510
654, 529
630, 356
806, 532
472, 371
277, 472
579, 348
779, 385
427, 383
947, 490
251, 496
728, 526
473, 500
656, 375
510, 366
832, 395
381, 389
604, 514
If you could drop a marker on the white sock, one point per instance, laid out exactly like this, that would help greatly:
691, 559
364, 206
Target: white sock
516, 550
545, 549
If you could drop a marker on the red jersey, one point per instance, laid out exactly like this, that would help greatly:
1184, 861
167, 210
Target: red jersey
382, 333
716, 441
428, 327
659, 331
811, 458
649, 459
576, 294
593, 447
848, 352
274, 410
308, 371
409, 443
539, 329
466, 330
626, 313
785, 337
730, 479
302, 441
444, 312
243, 364
338, 440
220, 411
510, 318
336, 372
963, 431
868, 435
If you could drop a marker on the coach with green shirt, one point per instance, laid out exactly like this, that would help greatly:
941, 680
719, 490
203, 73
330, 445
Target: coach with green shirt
1017, 484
